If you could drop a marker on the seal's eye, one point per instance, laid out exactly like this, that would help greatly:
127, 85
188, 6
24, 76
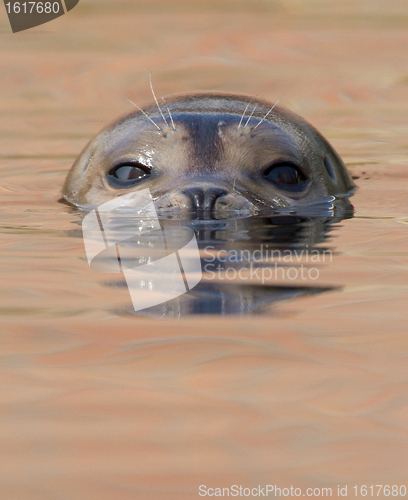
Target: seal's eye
127, 174
286, 176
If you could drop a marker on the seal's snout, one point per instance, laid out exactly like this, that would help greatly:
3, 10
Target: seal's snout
204, 198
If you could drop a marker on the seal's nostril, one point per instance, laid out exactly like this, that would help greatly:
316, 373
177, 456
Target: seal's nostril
204, 198
211, 196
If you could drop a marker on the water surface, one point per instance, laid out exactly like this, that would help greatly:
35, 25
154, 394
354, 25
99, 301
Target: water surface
307, 385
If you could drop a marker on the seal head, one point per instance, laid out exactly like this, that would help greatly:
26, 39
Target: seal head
210, 153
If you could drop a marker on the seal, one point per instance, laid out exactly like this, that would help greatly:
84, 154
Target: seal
211, 153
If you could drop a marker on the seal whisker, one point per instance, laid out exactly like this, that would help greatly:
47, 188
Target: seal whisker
256, 126
155, 98
146, 115
243, 114
168, 110
250, 116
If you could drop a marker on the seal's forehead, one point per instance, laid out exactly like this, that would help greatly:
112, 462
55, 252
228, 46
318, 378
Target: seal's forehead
241, 106
199, 140
204, 111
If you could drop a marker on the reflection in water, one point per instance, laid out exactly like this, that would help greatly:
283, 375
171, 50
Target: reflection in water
247, 263
222, 298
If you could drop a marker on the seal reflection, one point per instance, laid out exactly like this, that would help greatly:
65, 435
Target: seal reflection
249, 264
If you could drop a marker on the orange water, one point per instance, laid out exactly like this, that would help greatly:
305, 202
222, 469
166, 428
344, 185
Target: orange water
100, 405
